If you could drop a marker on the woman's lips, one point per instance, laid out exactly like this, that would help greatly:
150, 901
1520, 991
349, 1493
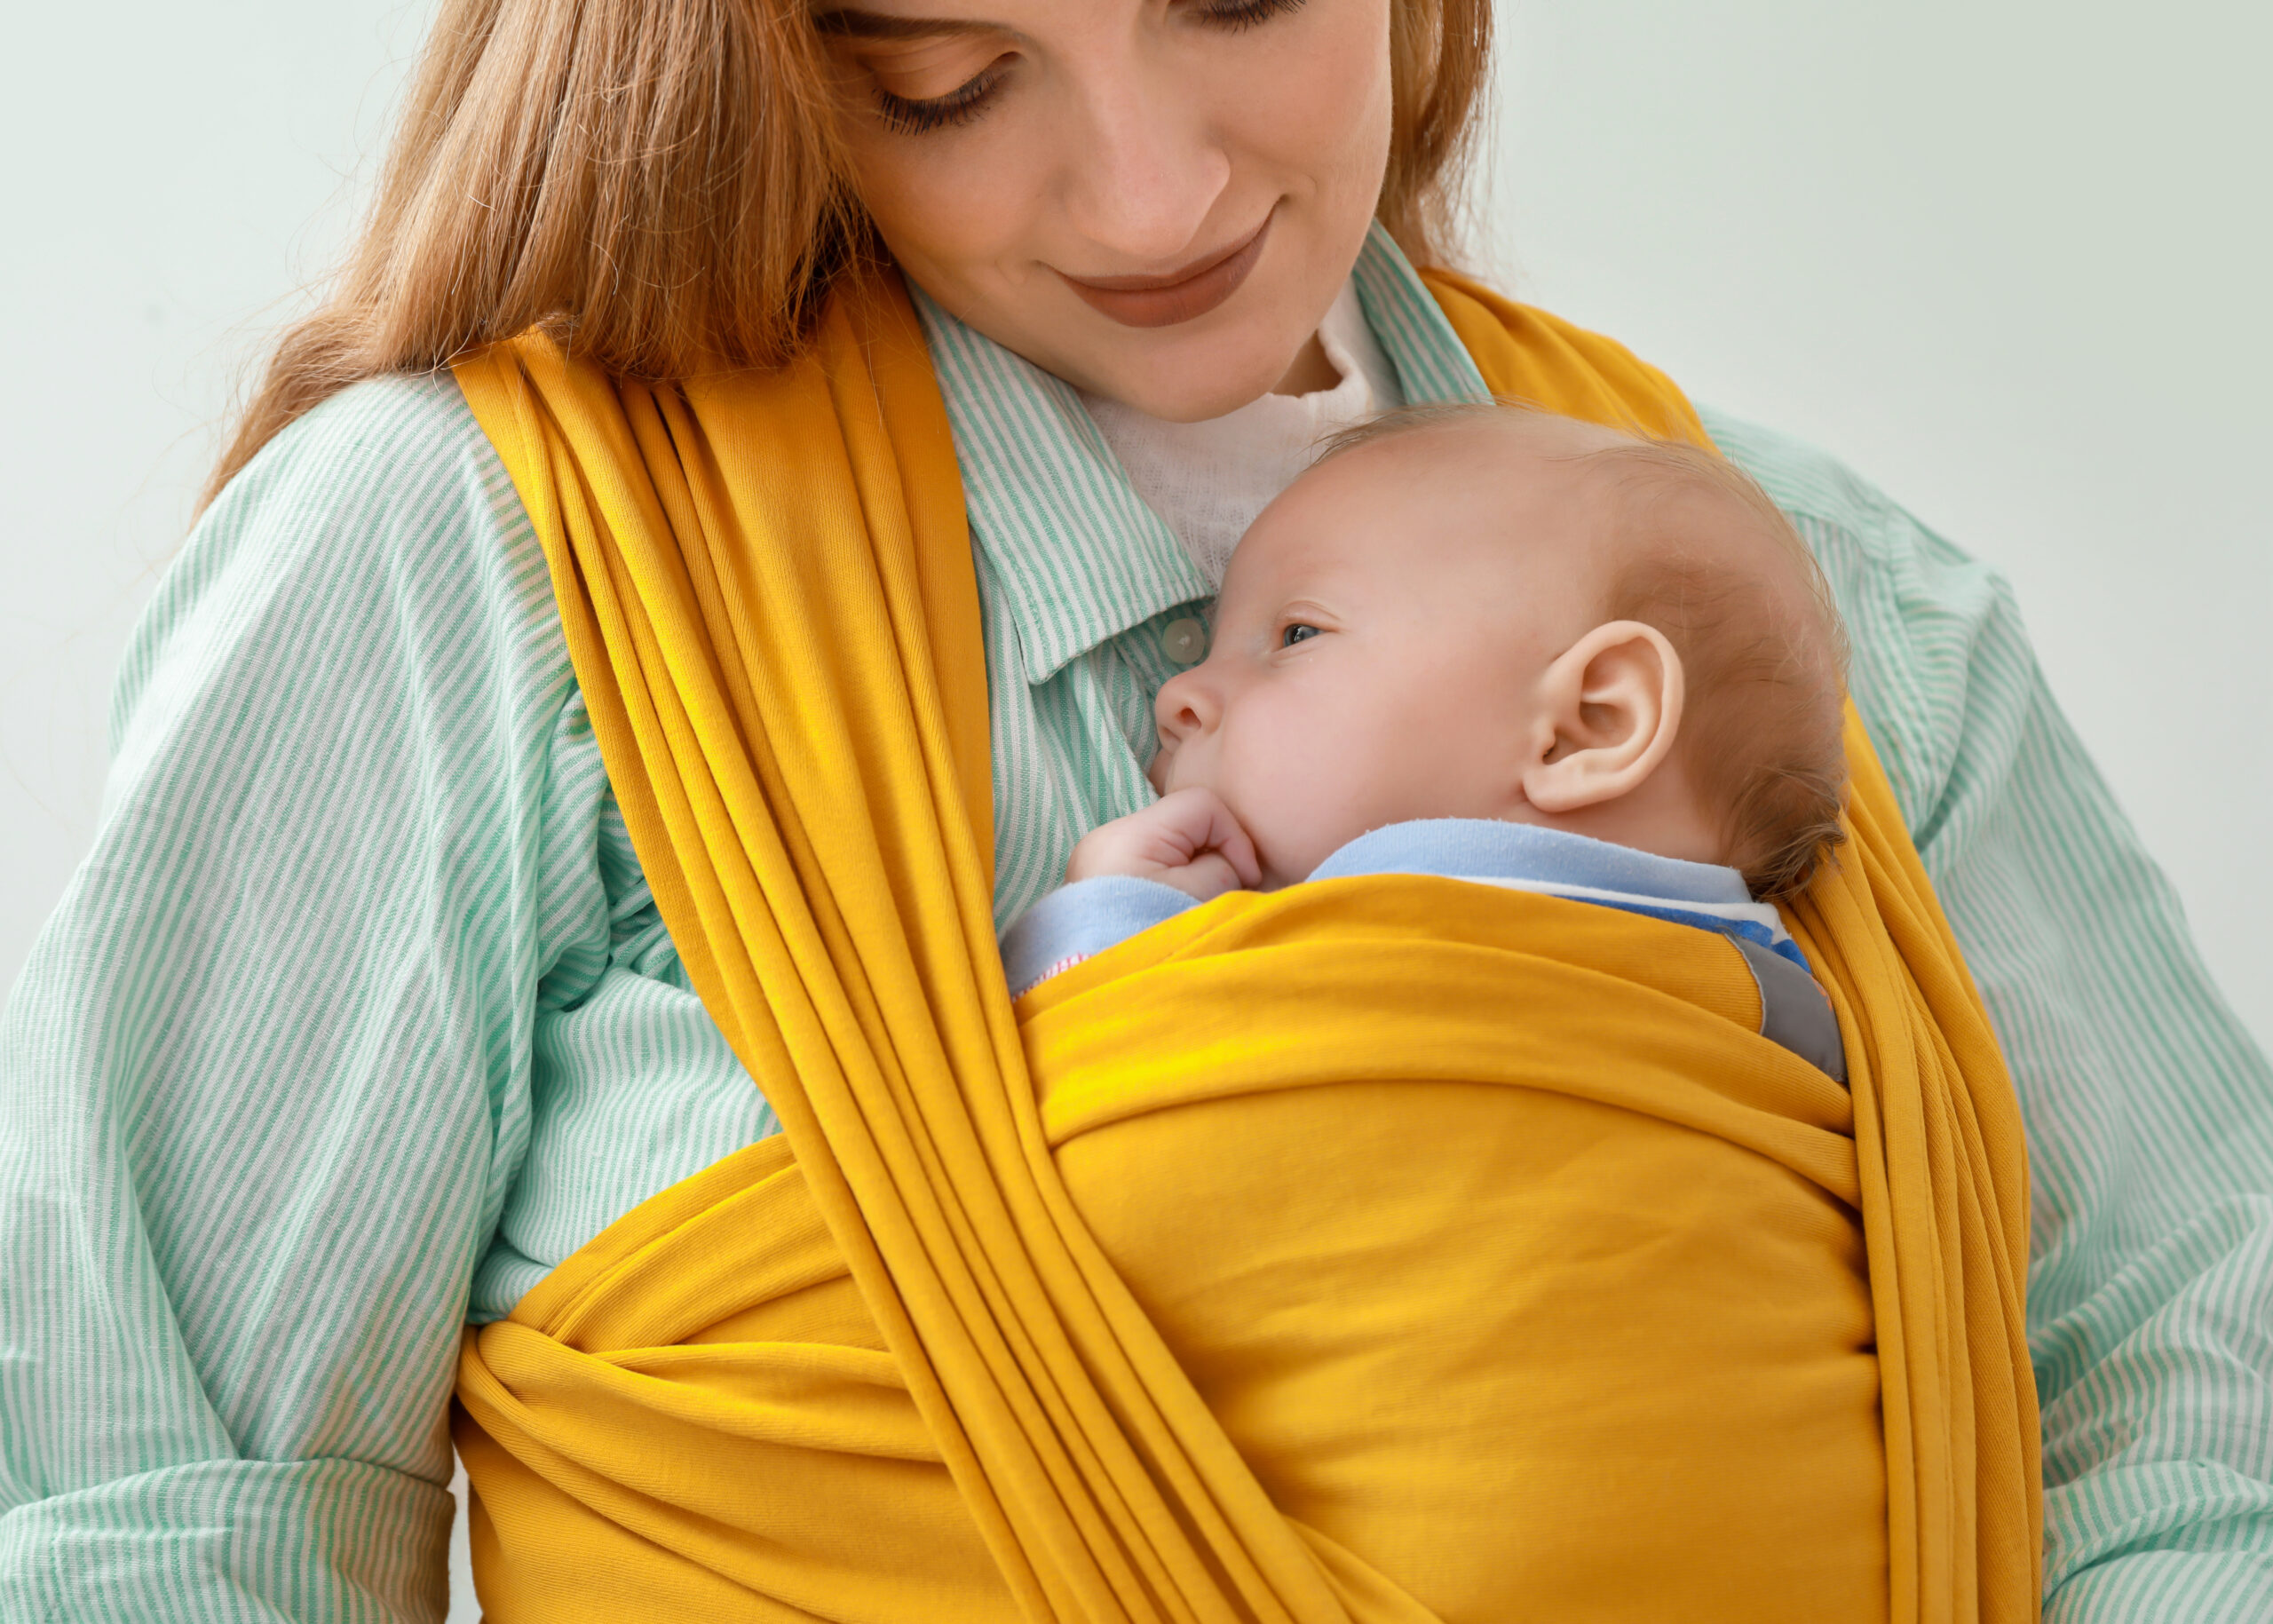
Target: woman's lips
1180, 296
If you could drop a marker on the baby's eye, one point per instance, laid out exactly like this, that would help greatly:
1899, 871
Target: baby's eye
1297, 633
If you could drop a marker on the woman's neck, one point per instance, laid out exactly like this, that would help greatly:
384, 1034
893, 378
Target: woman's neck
1312, 372
1207, 480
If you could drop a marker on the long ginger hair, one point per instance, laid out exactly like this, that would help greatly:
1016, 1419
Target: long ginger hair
659, 183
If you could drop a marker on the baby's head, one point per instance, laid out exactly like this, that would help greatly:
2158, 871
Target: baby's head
1487, 612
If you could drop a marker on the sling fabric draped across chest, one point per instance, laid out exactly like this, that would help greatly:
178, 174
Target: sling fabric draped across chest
1384, 1250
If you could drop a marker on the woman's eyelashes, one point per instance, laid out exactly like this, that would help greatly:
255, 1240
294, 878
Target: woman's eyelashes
1238, 14
914, 115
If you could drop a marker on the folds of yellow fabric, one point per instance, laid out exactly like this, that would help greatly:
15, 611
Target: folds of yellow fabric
1056, 1314
694, 1419
1526, 1277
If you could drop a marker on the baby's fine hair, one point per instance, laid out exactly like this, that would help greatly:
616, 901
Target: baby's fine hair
1762, 728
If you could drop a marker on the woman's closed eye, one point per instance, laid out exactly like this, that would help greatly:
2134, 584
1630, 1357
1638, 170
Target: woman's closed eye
905, 74
920, 73
914, 114
1237, 14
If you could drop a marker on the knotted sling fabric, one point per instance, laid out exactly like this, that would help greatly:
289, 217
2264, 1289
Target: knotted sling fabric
1382, 1250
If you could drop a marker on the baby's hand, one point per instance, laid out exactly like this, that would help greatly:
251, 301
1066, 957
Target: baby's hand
1189, 840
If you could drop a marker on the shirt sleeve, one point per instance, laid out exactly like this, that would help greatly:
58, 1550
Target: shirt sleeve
2149, 1109
1080, 921
263, 1083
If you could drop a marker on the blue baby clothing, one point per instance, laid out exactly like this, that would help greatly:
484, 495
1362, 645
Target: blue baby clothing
1085, 918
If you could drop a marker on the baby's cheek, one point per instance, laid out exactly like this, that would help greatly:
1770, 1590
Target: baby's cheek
1302, 814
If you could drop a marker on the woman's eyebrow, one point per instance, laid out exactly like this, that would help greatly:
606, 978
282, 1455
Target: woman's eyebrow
849, 23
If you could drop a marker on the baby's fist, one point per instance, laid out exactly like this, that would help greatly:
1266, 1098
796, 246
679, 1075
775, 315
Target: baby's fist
1189, 840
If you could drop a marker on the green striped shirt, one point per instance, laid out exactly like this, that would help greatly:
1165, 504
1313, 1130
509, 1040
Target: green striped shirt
360, 1017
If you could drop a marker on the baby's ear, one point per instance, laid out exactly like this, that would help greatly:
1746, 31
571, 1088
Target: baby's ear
1609, 708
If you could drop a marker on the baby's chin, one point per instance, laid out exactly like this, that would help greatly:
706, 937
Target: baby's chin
1289, 861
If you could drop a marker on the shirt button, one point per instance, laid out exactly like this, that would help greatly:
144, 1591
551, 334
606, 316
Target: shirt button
1185, 640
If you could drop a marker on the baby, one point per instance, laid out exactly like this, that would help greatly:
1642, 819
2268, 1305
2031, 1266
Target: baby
1505, 646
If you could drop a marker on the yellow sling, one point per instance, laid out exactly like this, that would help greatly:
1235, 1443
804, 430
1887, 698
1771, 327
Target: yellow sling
1386, 1250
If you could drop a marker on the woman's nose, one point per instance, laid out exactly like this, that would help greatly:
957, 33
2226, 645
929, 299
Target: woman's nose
1144, 181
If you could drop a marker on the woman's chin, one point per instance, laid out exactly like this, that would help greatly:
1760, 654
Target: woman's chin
1190, 379
1186, 373
1181, 403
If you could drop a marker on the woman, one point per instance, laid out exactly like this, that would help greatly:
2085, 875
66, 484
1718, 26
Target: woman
364, 1018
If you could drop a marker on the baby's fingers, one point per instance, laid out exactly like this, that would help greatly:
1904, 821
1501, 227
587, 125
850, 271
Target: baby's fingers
1236, 852
1204, 878
1208, 826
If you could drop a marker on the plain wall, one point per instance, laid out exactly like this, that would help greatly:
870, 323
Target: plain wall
2006, 258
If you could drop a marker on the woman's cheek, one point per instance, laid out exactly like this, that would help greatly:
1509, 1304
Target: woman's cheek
1316, 100
948, 202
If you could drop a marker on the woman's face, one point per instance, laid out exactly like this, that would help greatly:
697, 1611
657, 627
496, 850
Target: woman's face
1156, 199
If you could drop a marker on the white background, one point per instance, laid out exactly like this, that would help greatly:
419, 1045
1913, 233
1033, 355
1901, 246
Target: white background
2007, 257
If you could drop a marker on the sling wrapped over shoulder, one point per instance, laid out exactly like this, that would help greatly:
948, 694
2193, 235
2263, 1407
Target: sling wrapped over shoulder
1384, 1250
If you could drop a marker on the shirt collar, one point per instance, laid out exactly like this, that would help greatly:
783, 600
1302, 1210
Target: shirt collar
1433, 366
1490, 848
1078, 555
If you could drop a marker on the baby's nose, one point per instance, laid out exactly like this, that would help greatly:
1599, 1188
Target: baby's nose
1181, 708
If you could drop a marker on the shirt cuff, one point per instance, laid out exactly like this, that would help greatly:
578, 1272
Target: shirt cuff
1084, 918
